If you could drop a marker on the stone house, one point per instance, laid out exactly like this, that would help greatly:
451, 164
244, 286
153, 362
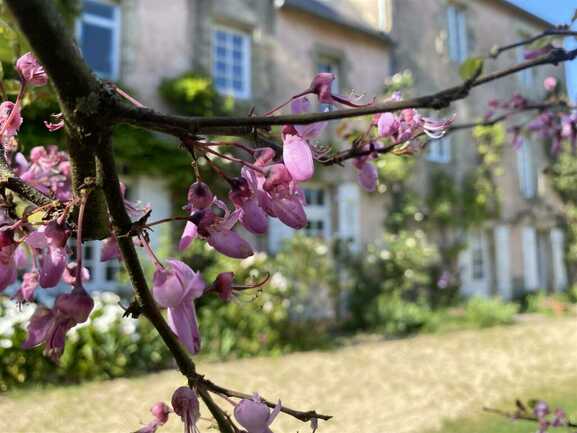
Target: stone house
263, 51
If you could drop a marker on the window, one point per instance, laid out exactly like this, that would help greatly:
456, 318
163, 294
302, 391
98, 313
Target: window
439, 150
330, 65
386, 15
526, 170
318, 213
98, 33
231, 62
527, 76
457, 33
477, 256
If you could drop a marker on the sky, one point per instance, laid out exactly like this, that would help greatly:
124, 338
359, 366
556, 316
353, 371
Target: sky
557, 12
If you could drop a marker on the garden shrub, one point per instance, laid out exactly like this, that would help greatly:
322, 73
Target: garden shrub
104, 347
485, 312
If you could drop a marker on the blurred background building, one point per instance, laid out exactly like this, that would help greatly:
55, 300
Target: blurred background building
260, 52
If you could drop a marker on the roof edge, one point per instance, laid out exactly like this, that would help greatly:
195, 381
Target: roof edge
525, 13
337, 20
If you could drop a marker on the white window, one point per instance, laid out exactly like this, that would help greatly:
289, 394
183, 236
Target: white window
527, 76
318, 213
530, 258
526, 170
98, 33
349, 206
386, 15
477, 248
439, 150
457, 33
103, 275
558, 259
231, 69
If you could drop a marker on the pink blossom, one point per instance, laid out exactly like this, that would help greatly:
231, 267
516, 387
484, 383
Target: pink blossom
57, 124
311, 130
176, 286
199, 196
222, 285
255, 416
185, 404
321, 86
49, 171
10, 118
109, 249
217, 231
550, 83
28, 287
298, 158
69, 275
160, 411
283, 198
8, 247
31, 71
50, 241
368, 176
243, 194
49, 326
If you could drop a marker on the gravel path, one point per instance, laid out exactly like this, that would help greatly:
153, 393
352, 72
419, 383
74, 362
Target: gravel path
408, 385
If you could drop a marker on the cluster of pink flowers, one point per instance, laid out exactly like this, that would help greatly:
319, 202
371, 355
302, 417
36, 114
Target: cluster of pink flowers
550, 124
251, 413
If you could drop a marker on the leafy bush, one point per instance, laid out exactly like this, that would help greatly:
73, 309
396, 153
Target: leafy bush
278, 319
193, 94
397, 269
551, 305
485, 312
396, 317
104, 347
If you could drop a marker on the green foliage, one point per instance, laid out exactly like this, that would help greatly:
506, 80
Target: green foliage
396, 269
193, 94
550, 305
471, 68
397, 317
106, 346
485, 312
272, 321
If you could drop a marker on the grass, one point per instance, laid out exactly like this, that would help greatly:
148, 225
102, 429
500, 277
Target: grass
425, 383
562, 396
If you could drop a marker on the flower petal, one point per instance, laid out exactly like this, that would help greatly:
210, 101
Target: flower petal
298, 158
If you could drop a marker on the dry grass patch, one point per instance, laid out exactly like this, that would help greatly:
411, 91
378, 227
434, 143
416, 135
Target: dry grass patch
397, 386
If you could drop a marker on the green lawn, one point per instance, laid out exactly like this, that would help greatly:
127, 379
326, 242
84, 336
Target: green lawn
561, 396
412, 385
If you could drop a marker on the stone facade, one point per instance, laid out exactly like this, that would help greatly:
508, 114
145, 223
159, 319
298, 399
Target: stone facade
364, 42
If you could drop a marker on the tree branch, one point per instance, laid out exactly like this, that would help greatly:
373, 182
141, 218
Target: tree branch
177, 125
558, 31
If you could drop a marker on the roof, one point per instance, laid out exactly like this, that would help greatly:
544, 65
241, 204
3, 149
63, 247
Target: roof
336, 12
525, 13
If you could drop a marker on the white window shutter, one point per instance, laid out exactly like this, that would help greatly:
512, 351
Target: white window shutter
503, 261
349, 227
530, 259
558, 251
452, 33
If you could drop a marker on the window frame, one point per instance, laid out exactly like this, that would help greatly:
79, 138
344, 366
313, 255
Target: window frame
478, 250
246, 61
440, 150
318, 211
527, 170
457, 33
114, 24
